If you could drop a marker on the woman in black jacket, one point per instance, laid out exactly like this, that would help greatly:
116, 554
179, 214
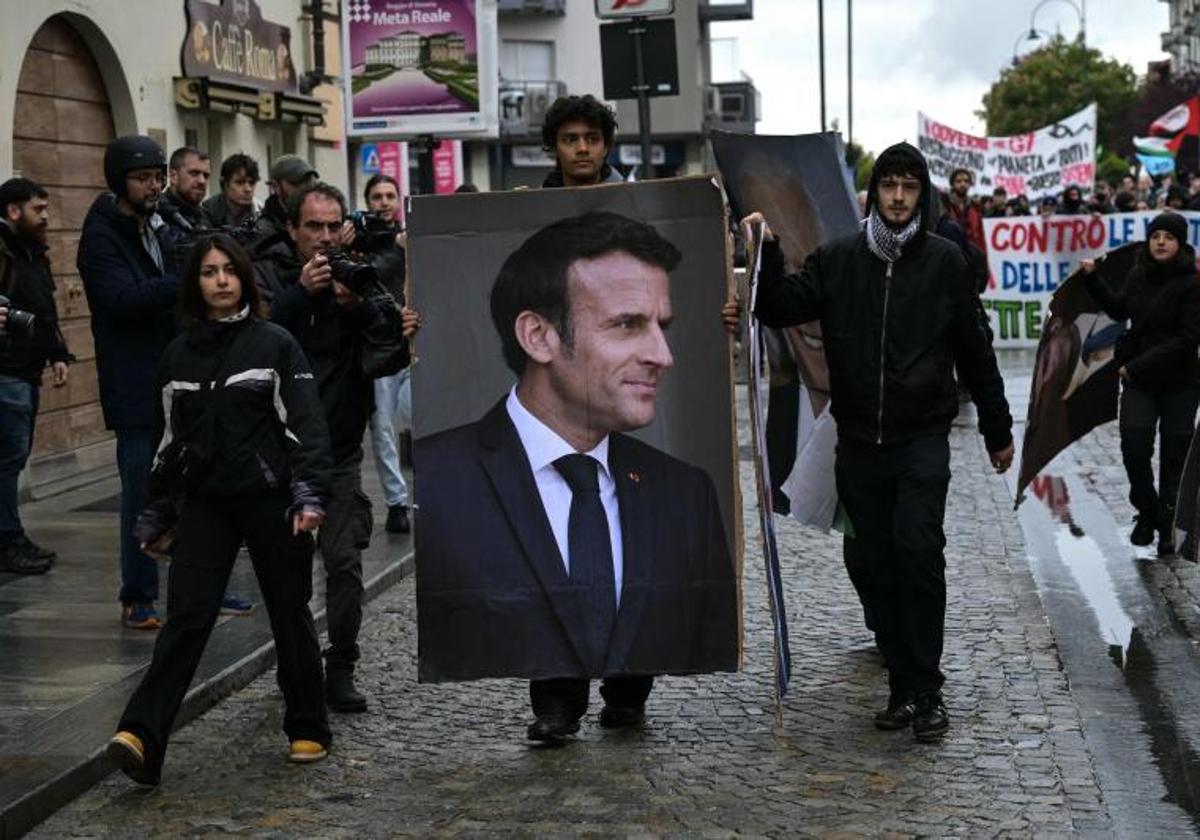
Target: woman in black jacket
244, 457
1159, 369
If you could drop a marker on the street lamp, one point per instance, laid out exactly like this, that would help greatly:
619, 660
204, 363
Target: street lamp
1080, 8
1024, 37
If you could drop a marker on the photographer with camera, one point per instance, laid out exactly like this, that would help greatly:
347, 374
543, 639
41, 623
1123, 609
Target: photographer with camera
132, 289
379, 235
288, 174
29, 339
343, 322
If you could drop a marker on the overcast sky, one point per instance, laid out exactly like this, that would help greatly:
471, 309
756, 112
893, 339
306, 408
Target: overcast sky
936, 56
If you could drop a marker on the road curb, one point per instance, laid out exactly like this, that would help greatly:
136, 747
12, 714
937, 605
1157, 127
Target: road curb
21, 815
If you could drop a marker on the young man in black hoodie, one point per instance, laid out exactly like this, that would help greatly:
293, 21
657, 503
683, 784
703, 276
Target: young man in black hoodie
899, 313
25, 350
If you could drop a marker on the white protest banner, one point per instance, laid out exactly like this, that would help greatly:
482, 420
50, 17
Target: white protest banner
1037, 164
1029, 257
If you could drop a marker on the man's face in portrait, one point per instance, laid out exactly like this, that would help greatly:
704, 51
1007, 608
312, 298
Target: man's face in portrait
606, 376
143, 188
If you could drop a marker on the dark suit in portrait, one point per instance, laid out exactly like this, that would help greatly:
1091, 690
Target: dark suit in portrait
494, 597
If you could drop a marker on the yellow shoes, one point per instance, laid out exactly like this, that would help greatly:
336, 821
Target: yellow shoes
306, 752
127, 751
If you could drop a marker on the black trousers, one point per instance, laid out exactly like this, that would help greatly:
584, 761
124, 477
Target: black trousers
342, 537
569, 697
896, 497
1174, 415
209, 533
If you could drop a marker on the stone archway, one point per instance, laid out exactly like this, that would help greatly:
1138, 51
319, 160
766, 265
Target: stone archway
62, 122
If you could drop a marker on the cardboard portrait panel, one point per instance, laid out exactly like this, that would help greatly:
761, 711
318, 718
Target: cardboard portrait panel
1074, 387
505, 586
799, 184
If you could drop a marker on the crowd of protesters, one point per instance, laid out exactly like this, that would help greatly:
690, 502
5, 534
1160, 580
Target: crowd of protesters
1179, 191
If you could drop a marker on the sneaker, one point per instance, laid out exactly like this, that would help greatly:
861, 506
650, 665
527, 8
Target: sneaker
15, 558
236, 605
930, 720
127, 752
140, 617
306, 752
1143, 530
397, 520
898, 714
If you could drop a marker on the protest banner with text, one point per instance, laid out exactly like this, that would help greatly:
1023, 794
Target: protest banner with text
1039, 163
1030, 257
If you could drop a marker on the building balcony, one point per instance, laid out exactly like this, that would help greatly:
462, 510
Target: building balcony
713, 11
523, 106
532, 7
732, 106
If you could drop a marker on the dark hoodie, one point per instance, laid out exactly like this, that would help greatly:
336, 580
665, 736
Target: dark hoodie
1162, 304
894, 332
608, 175
26, 280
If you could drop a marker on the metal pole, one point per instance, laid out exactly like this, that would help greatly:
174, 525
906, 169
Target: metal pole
821, 43
637, 30
849, 71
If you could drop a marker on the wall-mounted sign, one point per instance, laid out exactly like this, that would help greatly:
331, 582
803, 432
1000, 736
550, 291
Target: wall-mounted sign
231, 42
606, 9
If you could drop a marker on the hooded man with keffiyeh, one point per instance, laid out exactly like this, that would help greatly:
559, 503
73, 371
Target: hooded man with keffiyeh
899, 312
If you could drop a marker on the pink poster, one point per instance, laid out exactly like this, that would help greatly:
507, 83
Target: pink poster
447, 167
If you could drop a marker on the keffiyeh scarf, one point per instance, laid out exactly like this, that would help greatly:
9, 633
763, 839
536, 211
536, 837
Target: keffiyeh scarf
886, 242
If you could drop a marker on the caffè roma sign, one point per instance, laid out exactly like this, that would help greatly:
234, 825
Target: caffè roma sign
230, 42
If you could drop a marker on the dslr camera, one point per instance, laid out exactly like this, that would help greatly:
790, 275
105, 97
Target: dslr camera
372, 232
20, 322
359, 277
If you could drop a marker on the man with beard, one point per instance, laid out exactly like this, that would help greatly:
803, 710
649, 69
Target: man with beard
132, 289
960, 208
187, 173
899, 313
24, 352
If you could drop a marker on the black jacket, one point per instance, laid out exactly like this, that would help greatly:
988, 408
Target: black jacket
220, 213
894, 332
26, 280
1162, 305
271, 226
493, 595
132, 302
170, 203
268, 424
241, 392
330, 336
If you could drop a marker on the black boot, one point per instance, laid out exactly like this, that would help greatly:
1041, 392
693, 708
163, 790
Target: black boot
340, 693
930, 720
1143, 529
397, 520
1166, 532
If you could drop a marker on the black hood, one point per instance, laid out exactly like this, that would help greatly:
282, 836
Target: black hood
906, 158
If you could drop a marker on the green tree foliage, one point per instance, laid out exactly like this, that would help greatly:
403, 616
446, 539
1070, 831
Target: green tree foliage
862, 171
1055, 81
